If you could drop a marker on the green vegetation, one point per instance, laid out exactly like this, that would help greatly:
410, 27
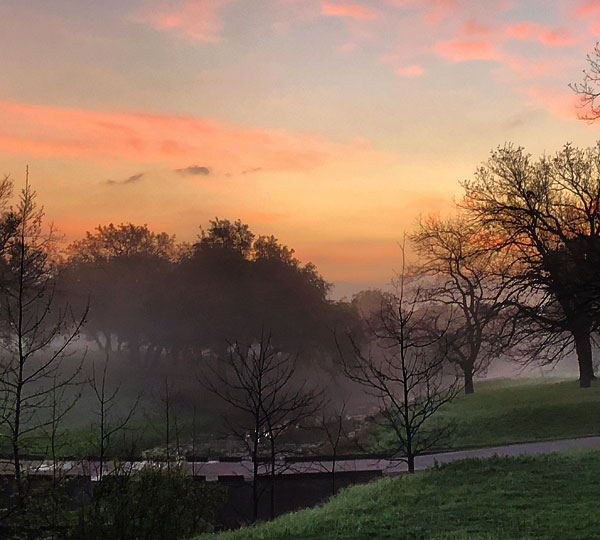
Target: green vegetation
551, 496
518, 410
502, 411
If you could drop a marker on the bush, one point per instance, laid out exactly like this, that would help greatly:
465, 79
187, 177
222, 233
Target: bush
151, 504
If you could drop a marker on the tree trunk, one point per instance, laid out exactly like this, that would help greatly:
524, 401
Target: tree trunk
272, 476
469, 389
583, 347
255, 474
333, 461
410, 460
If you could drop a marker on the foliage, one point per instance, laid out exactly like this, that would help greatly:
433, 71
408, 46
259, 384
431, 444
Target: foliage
161, 300
151, 504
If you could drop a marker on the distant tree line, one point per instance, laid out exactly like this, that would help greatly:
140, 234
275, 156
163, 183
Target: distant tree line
152, 299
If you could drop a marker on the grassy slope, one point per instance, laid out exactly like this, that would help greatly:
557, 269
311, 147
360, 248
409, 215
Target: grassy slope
552, 496
509, 410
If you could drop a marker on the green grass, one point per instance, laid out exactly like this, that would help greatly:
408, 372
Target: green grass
551, 496
502, 411
508, 411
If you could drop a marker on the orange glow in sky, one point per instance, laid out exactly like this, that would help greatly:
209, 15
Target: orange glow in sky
330, 124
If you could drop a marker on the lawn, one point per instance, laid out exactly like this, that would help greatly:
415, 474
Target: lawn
552, 496
505, 411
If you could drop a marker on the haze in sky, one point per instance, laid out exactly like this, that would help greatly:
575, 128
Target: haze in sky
330, 124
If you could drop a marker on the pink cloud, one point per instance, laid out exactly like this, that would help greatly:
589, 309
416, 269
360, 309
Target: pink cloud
462, 50
594, 27
586, 7
410, 71
560, 104
473, 28
351, 10
522, 30
398, 62
540, 67
549, 37
175, 141
196, 20
557, 38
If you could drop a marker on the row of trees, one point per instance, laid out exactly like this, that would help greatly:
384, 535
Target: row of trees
153, 298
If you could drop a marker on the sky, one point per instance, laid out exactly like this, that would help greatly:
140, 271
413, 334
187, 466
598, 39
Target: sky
330, 124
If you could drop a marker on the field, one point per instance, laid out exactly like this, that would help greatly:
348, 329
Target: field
502, 411
551, 496
505, 411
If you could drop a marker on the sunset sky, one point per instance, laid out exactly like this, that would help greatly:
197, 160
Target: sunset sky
330, 124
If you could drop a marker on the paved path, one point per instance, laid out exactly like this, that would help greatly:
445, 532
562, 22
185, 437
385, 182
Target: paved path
213, 469
544, 447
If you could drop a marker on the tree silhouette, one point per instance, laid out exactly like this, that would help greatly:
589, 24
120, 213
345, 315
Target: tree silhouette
406, 367
545, 214
259, 383
467, 279
36, 335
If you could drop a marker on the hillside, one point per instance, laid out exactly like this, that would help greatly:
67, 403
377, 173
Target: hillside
505, 411
552, 496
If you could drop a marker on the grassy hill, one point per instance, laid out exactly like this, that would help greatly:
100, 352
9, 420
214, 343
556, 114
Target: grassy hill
504, 411
552, 496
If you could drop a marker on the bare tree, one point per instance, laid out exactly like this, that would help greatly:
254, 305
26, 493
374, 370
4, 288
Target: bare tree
331, 424
468, 280
36, 334
545, 214
258, 382
589, 89
406, 368
110, 422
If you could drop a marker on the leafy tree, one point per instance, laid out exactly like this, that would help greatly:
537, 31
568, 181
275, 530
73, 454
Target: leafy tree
226, 236
122, 270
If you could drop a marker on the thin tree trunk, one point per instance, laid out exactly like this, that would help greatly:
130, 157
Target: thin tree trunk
272, 476
255, 476
333, 461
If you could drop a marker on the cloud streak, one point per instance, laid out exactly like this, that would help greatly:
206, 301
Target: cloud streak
193, 170
130, 180
195, 20
174, 140
346, 9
